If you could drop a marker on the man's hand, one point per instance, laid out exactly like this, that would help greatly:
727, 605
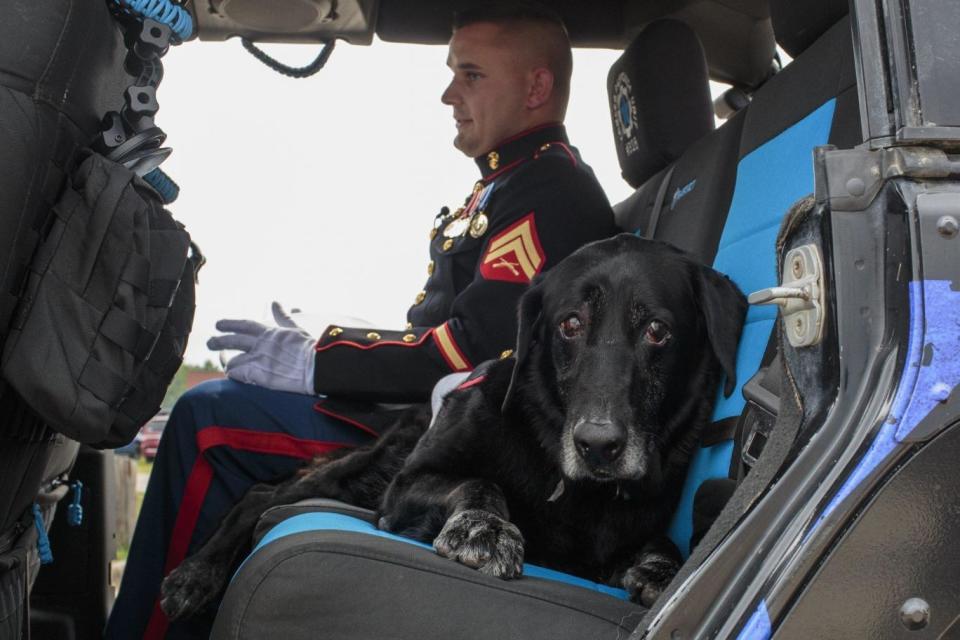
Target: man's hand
280, 357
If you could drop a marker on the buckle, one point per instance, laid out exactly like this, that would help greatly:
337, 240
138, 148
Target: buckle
763, 406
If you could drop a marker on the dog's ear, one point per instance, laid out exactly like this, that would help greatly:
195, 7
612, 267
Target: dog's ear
528, 321
724, 308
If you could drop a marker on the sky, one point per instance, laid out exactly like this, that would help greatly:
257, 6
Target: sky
320, 192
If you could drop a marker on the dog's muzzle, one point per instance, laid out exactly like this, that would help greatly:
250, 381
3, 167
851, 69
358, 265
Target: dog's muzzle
599, 443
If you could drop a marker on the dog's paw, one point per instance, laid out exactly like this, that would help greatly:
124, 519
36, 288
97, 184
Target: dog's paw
649, 577
189, 588
483, 541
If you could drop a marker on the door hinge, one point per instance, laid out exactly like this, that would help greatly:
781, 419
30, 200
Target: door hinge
801, 296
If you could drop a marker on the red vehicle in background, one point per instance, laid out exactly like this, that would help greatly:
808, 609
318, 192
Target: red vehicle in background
150, 433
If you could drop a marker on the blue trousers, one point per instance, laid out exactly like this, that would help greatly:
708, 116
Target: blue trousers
221, 438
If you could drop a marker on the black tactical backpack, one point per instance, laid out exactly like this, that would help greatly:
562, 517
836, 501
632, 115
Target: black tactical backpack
104, 317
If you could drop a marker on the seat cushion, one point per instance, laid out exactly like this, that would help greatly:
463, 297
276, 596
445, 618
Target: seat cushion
324, 574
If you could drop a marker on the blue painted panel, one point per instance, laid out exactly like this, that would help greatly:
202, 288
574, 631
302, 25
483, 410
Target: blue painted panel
934, 328
758, 626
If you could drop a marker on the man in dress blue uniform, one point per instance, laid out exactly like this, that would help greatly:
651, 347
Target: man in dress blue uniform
290, 396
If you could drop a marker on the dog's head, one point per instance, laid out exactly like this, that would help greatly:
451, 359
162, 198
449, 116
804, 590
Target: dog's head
623, 344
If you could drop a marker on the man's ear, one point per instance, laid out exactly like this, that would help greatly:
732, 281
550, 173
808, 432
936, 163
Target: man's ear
528, 322
541, 88
723, 307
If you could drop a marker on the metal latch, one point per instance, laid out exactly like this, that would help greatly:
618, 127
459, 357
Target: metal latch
801, 297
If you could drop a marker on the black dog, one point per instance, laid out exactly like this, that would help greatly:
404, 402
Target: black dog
571, 454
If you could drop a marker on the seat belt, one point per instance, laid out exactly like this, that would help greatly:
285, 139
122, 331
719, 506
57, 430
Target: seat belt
651, 229
756, 421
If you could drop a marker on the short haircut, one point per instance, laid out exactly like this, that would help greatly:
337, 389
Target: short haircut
506, 12
554, 45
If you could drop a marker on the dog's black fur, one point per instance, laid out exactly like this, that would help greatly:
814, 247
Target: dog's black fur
571, 454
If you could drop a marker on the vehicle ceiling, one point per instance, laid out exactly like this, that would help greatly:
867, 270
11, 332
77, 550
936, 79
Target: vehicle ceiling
736, 34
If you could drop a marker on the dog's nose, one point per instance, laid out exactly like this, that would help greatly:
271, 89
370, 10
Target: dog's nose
599, 443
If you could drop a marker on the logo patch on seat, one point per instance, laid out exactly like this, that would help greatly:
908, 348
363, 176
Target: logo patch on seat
681, 192
625, 113
515, 255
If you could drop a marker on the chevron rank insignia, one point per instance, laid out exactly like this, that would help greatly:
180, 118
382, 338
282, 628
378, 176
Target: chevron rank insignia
514, 255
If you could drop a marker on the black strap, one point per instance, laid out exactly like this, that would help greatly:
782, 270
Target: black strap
137, 405
161, 292
103, 383
651, 229
756, 421
136, 272
127, 333
719, 431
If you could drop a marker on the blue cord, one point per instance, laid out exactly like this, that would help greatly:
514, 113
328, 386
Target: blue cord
43, 542
164, 184
174, 16
75, 508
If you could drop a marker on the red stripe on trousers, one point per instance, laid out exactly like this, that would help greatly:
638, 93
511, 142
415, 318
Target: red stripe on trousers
198, 482
319, 408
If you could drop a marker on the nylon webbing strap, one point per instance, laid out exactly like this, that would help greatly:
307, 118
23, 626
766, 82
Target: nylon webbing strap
165, 358
719, 431
759, 415
136, 272
102, 382
161, 292
137, 404
651, 229
127, 333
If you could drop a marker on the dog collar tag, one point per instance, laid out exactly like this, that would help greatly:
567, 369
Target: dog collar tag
557, 492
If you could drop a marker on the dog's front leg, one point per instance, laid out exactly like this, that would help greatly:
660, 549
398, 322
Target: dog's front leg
476, 530
478, 533
652, 570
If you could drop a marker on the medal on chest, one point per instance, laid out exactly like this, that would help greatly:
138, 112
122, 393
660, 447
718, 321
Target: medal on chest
472, 216
478, 224
456, 227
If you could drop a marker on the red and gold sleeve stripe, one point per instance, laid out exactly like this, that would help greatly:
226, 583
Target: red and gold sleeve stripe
449, 349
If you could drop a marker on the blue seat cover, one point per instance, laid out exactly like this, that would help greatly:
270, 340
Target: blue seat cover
769, 180
324, 521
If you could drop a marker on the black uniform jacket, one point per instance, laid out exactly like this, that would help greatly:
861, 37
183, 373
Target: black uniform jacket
535, 204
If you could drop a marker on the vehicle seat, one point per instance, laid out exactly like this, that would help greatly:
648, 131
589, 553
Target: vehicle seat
326, 562
811, 102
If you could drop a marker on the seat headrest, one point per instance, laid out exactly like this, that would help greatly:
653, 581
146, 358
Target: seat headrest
798, 23
659, 99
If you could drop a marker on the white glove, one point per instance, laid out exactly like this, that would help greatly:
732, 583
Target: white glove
280, 357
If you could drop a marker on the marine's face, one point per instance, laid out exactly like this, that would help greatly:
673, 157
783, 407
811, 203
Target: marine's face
489, 88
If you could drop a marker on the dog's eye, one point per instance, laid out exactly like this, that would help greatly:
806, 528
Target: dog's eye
657, 333
571, 328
